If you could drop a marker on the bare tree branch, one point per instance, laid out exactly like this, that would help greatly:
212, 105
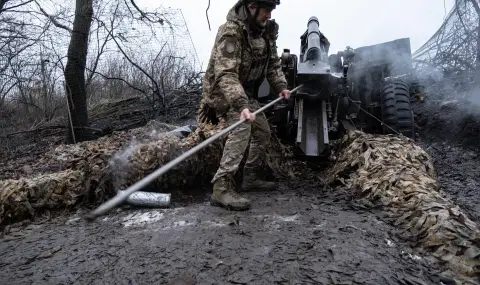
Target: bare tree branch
145, 15
120, 79
99, 52
3, 2
52, 18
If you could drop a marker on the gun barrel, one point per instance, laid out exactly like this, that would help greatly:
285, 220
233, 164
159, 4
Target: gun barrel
313, 50
313, 65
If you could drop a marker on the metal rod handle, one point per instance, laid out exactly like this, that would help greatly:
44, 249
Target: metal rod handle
122, 196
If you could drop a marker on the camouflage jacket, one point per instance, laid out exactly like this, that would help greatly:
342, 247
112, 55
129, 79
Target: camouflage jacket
239, 62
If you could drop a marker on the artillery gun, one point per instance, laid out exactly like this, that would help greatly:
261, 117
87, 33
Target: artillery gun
366, 89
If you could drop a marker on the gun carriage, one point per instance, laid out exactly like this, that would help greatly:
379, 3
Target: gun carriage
365, 88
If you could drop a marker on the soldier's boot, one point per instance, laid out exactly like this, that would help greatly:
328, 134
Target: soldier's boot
252, 181
224, 195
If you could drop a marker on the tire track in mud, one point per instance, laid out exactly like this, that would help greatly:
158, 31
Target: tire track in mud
298, 234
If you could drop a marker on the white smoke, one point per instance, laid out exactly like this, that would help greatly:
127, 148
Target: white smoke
120, 163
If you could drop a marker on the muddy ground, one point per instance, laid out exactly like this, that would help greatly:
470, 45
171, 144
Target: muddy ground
449, 131
302, 234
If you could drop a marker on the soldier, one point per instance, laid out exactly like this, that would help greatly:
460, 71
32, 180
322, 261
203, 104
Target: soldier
244, 54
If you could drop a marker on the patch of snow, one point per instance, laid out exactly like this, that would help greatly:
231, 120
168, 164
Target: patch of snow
412, 256
416, 257
321, 225
287, 218
179, 224
214, 224
389, 243
142, 218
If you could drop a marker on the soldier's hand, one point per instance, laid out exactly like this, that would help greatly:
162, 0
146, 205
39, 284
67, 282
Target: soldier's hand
285, 94
247, 115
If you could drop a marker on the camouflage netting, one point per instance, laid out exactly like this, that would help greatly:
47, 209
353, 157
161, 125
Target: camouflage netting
20, 199
91, 172
396, 175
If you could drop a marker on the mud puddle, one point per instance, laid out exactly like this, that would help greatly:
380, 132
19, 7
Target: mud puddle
298, 235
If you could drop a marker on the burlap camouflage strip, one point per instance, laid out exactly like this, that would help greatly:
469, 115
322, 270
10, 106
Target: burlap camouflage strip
397, 175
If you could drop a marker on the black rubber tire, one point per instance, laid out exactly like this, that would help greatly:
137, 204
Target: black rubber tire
396, 109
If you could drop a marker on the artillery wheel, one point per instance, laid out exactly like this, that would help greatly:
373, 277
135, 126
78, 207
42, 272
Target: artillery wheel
396, 109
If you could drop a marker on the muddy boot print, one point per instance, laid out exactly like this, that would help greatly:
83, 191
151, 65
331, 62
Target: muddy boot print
252, 181
224, 195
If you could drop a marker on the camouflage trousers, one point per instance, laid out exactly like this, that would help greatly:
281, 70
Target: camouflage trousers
257, 134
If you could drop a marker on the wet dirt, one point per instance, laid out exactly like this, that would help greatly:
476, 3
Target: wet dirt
458, 172
300, 234
454, 121
449, 131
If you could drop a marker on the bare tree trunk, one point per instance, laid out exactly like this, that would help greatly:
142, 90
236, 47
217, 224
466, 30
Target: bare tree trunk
75, 71
478, 50
476, 6
44, 89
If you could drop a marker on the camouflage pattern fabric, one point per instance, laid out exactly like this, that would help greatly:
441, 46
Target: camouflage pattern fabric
238, 140
241, 58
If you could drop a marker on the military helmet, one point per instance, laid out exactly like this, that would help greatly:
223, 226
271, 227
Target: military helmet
265, 3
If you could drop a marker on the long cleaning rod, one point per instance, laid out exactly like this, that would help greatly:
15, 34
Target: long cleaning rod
122, 196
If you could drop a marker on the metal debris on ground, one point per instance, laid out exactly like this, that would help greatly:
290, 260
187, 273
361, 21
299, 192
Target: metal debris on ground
149, 199
397, 175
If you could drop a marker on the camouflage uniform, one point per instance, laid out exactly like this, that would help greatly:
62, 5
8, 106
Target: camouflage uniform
242, 56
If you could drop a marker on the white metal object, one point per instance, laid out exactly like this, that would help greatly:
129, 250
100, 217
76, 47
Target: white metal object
149, 199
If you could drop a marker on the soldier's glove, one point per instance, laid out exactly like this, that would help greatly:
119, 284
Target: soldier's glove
206, 114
